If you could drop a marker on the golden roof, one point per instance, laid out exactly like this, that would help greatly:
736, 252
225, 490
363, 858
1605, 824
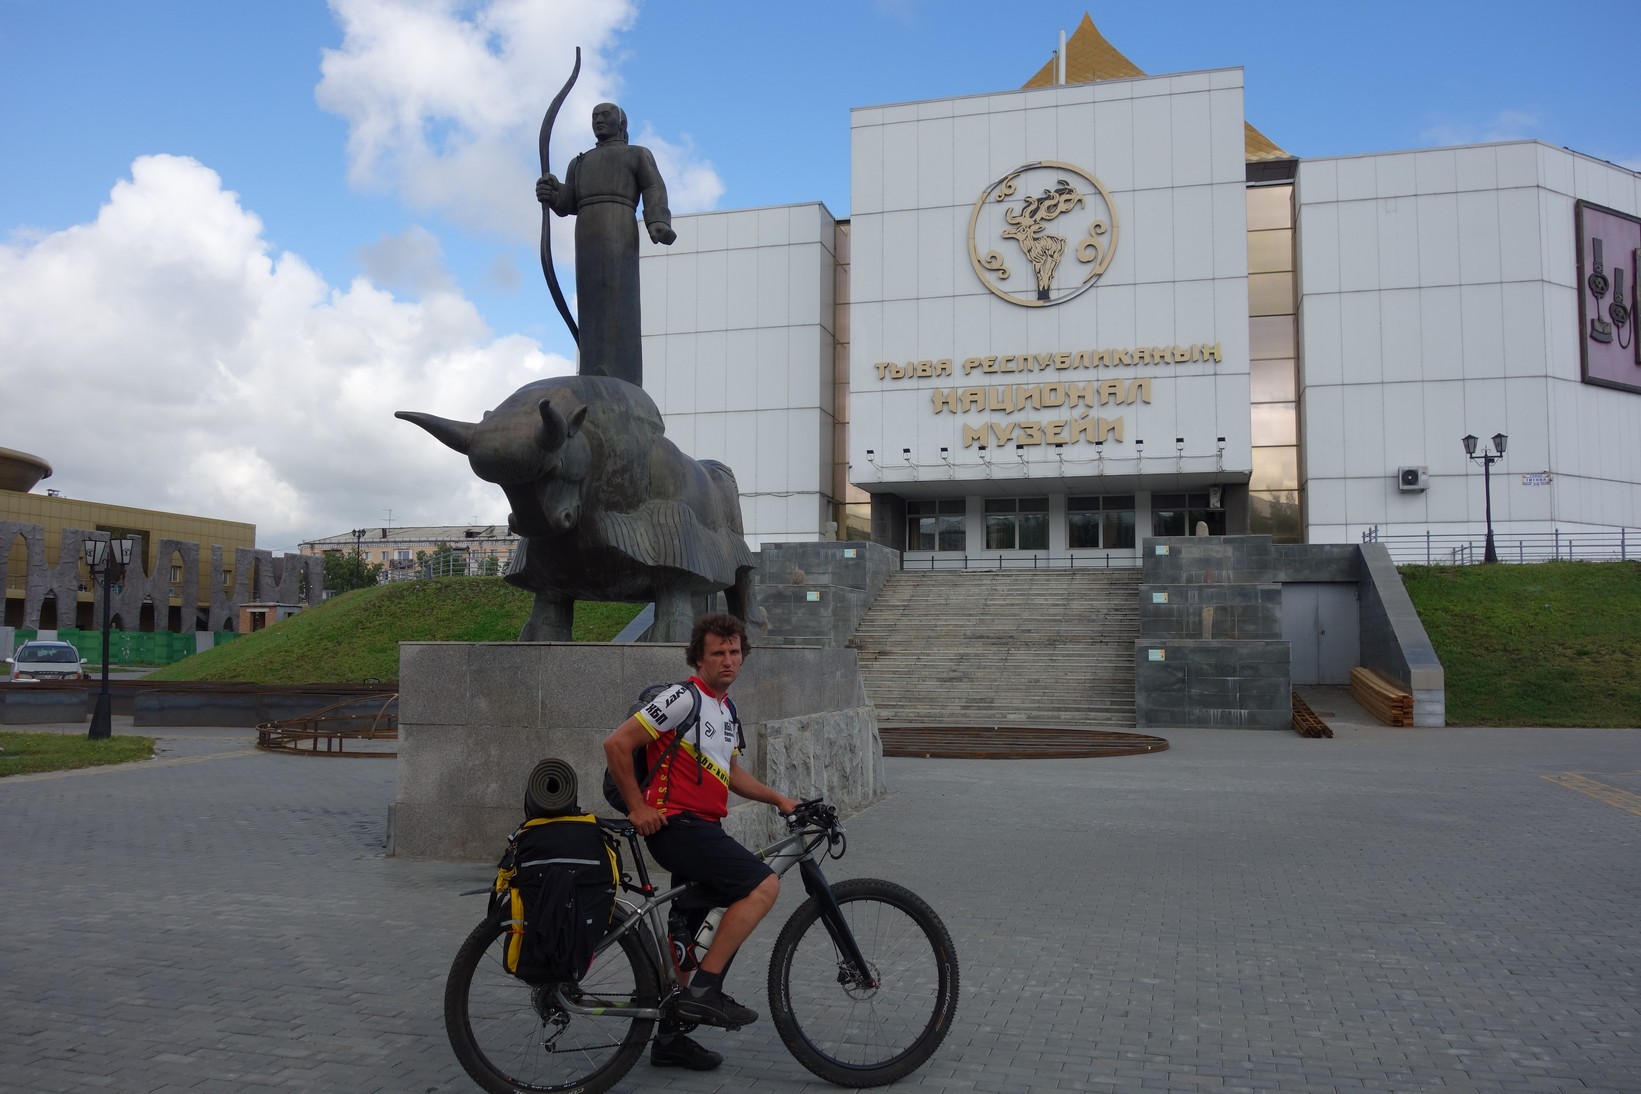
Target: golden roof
1090, 57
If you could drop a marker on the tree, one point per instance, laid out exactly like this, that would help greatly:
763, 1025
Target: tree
346, 570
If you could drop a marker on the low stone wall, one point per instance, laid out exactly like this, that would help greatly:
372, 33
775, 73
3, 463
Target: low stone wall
1394, 639
474, 718
39, 704
248, 706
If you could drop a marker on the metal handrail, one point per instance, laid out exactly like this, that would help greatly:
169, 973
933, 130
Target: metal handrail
1102, 560
1463, 549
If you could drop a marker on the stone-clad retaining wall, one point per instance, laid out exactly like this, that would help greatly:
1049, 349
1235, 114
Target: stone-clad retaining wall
474, 718
1394, 640
816, 593
1211, 652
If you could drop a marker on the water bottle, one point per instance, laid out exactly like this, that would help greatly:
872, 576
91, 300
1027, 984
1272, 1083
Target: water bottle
703, 937
689, 956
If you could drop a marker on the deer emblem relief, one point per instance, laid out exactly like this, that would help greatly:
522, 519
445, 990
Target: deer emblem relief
1010, 209
1026, 226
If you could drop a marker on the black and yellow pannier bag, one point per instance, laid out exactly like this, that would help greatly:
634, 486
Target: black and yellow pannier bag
555, 889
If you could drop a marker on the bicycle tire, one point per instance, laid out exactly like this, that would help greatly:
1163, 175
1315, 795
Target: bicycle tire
865, 1037
503, 1029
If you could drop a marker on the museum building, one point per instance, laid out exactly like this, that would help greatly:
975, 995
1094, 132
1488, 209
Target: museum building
1105, 307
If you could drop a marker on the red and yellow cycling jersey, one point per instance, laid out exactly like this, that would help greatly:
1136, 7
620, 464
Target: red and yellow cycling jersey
695, 779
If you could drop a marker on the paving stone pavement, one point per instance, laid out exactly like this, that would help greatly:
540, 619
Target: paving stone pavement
1389, 910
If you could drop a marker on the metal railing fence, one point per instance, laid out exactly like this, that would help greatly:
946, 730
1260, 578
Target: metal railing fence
1100, 560
1462, 549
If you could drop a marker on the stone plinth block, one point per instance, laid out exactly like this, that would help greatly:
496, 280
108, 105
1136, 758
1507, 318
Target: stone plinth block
474, 718
1241, 684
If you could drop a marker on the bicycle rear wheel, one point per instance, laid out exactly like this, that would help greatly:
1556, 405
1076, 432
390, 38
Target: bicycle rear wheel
512, 1036
858, 1036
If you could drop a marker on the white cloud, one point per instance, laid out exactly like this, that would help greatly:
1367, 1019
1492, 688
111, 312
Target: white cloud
410, 261
693, 184
164, 357
1505, 125
444, 102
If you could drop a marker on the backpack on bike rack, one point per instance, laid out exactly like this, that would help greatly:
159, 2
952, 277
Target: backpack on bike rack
640, 755
556, 887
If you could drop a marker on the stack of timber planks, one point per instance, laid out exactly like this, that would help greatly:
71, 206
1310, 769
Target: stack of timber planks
1306, 723
1381, 697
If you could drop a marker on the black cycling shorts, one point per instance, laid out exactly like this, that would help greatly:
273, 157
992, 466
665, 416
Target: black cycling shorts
701, 851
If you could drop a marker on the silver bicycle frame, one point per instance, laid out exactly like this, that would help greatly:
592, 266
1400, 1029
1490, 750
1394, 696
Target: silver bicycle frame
781, 856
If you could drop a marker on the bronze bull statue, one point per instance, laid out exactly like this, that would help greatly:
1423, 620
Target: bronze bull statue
608, 508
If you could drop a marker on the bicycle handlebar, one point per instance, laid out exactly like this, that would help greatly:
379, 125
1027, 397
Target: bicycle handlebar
813, 812
810, 812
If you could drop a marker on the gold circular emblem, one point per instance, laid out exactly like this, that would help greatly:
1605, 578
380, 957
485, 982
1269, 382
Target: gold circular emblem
1024, 225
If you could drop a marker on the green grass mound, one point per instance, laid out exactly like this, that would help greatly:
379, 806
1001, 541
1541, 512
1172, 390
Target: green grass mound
355, 637
1548, 644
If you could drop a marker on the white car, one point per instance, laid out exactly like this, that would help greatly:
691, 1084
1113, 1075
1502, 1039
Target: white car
45, 661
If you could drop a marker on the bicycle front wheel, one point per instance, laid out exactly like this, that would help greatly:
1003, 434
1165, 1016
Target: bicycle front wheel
859, 1036
512, 1036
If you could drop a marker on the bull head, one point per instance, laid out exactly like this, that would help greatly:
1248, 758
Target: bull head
537, 459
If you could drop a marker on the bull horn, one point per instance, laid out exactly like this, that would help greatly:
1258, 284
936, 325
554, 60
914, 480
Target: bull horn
555, 427
457, 435
553, 432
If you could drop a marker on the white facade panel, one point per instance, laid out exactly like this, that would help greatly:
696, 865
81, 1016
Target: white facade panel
1477, 168
956, 366
1479, 228
1401, 320
1361, 353
1438, 239
1192, 128
740, 357
1358, 245
1521, 253
1481, 309
711, 292
1523, 331
1487, 343
1441, 341
1437, 171
1398, 175
1398, 220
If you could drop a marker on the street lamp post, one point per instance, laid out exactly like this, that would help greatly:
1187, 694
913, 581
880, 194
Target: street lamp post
358, 557
101, 556
1487, 459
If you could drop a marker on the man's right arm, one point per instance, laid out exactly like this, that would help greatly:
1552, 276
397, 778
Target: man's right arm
618, 750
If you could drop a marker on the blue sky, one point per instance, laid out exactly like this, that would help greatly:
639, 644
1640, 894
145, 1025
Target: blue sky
238, 235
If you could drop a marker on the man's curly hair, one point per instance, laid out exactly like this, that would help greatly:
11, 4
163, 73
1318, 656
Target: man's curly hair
721, 624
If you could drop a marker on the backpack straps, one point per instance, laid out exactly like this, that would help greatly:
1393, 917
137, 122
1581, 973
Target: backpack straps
692, 721
735, 719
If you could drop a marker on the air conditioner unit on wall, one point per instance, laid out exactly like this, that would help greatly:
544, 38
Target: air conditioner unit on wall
1412, 480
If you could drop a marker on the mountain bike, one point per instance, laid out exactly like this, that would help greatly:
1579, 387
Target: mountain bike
863, 980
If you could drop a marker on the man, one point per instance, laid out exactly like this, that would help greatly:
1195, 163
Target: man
679, 814
602, 187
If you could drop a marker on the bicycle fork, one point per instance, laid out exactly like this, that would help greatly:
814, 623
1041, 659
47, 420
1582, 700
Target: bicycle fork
853, 970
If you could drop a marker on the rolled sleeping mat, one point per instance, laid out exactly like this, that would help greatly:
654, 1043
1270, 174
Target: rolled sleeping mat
551, 791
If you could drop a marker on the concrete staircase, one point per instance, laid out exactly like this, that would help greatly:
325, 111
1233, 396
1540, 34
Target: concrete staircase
1032, 648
